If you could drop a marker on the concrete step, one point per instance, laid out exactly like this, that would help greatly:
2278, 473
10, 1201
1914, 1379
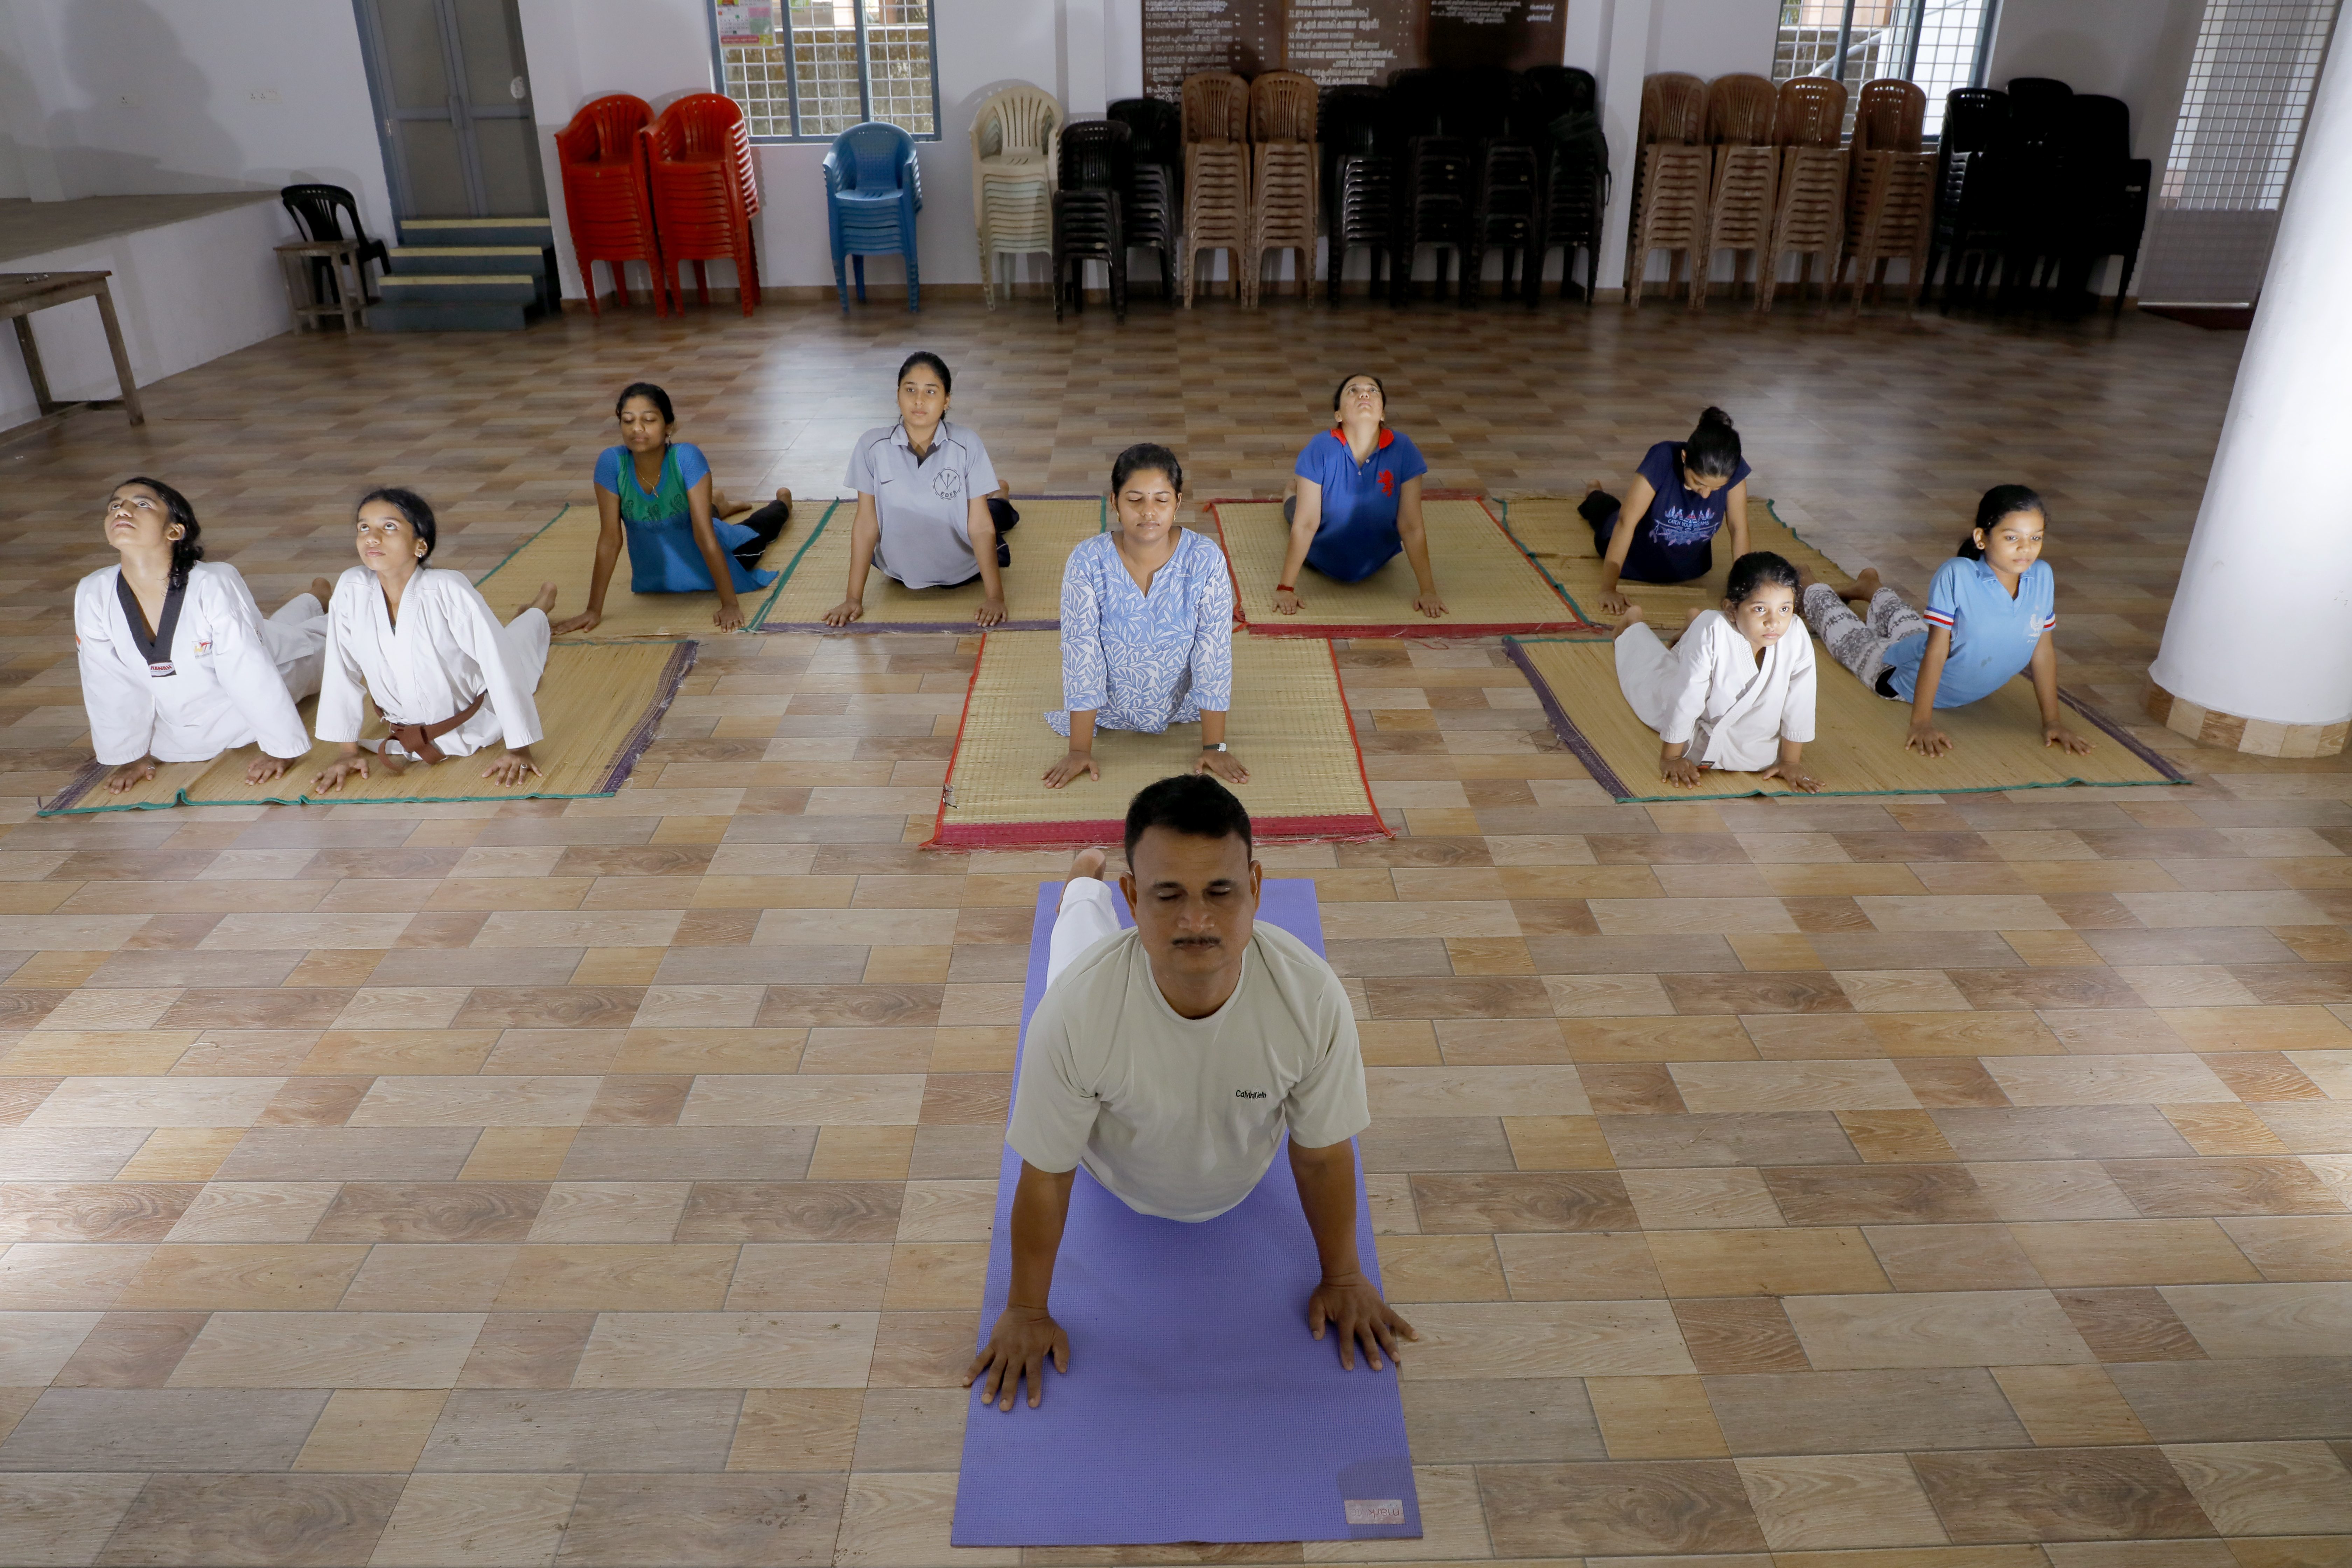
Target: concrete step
448, 287
532, 262
531, 231
455, 316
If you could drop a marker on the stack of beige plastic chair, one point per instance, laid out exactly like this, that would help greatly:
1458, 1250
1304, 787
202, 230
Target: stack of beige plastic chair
1670, 189
1809, 218
1216, 175
1015, 147
1285, 168
1890, 206
1741, 114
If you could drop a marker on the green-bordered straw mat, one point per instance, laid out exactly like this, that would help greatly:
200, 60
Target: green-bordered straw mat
599, 704
1561, 542
1489, 586
1289, 726
564, 553
817, 575
1858, 745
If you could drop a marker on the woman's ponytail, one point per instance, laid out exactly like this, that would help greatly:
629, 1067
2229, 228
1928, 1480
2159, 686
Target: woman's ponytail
1713, 450
1999, 502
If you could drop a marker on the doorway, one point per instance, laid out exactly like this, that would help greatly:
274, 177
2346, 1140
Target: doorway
452, 96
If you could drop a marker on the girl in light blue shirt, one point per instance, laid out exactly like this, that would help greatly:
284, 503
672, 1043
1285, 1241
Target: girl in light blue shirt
1991, 616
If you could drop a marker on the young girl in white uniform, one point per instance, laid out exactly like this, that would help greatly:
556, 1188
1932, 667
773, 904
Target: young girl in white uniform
177, 664
447, 677
1737, 692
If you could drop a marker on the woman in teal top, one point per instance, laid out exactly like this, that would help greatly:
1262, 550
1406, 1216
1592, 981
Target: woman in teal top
655, 494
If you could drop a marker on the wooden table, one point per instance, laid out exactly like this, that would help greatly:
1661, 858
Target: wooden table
351, 282
22, 293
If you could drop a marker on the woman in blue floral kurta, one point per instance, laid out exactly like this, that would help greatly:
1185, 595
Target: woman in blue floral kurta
1147, 626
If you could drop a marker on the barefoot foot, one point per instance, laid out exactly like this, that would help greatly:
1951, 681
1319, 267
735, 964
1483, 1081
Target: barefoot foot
321, 590
1087, 862
544, 601
1592, 485
1630, 619
1690, 615
1805, 579
1865, 588
784, 495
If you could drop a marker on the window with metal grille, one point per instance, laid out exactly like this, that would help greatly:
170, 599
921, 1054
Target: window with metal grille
2234, 149
1938, 44
807, 70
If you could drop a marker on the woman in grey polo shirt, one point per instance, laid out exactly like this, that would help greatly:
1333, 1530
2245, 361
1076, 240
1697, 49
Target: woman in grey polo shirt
930, 510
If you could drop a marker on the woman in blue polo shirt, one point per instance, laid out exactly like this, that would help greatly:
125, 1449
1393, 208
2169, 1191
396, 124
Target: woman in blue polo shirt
1359, 500
1990, 615
655, 495
1684, 493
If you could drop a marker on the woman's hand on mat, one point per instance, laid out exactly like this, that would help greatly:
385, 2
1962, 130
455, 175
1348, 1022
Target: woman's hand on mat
1927, 741
2059, 735
1613, 603
1681, 771
129, 775
1072, 764
1352, 1305
1429, 605
844, 613
510, 769
1017, 1348
1223, 767
264, 767
1287, 601
728, 617
585, 621
329, 779
991, 612
1792, 775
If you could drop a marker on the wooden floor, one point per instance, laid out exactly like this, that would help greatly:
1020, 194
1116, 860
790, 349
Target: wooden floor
1910, 1183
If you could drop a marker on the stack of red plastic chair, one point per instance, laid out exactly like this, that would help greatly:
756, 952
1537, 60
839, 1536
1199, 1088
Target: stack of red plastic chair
698, 166
605, 194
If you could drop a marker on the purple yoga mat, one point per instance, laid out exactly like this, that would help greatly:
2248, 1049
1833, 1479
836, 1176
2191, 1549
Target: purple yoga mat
1196, 1406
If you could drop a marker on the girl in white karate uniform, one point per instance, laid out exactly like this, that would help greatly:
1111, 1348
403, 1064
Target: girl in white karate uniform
1737, 692
177, 664
447, 677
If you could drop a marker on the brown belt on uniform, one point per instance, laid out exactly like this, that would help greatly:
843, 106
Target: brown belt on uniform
418, 740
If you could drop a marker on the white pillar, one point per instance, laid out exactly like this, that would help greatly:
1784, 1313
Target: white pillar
1625, 41
2257, 651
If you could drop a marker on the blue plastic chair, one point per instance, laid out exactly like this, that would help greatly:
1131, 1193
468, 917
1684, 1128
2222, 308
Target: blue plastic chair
873, 189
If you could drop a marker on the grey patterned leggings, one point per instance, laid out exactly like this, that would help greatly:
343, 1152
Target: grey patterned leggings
1857, 643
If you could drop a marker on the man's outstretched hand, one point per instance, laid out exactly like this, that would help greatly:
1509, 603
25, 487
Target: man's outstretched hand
1017, 1348
1352, 1305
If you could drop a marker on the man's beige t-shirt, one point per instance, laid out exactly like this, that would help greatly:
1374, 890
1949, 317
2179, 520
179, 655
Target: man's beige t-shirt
1180, 1116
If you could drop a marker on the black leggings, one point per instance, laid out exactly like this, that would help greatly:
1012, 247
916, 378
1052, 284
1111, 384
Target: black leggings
765, 524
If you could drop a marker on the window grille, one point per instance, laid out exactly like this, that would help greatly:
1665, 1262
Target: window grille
1938, 44
2234, 149
807, 70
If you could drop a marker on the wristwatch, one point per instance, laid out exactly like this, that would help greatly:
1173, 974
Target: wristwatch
1218, 747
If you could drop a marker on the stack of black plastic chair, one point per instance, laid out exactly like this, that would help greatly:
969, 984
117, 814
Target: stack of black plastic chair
2038, 190
1358, 183
1575, 168
2108, 211
1153, 199
1097, 164
1971, 207
1439, 182
1501, 118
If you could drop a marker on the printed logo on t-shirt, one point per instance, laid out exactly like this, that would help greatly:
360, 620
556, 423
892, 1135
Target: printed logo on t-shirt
1388, 481
948, 484
1249, 1094
1673, 525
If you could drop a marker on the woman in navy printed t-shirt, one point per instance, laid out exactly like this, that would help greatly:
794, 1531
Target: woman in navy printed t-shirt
1357, 502
1683, 494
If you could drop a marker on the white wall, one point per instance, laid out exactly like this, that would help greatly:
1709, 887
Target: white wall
1713, 38
184, 294
221, 95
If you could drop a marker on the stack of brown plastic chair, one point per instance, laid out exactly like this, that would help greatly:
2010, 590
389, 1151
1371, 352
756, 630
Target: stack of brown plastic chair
1741, 114
1216, 175
1670, 195
1285, 169
1809, 219
1890, 207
